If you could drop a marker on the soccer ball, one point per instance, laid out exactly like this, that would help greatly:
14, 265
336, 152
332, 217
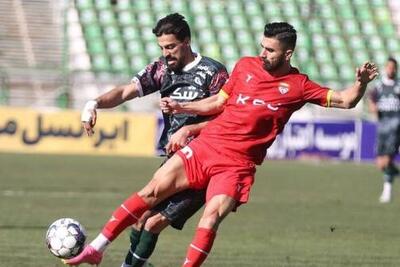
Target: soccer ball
65, 238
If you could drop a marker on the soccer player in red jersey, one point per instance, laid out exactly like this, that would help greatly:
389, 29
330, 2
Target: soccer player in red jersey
254, 106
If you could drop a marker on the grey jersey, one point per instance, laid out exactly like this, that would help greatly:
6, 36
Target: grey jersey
386, 95
199, 79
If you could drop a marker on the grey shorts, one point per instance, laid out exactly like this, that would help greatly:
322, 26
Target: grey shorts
181, 206
388, 138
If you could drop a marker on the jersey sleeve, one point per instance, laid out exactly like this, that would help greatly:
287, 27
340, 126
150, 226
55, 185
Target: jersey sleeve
230, 83
149, 80
316, 94
218, 80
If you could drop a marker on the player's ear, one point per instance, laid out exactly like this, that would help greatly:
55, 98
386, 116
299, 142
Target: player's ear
187, 41
288, 54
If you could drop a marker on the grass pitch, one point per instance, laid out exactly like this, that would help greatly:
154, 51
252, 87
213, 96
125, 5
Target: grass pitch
300, 214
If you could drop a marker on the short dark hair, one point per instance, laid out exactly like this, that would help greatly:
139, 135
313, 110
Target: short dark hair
392, 59
282, 31
173, 24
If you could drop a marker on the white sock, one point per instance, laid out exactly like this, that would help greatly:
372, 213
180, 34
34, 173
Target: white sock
387, 187
100, 243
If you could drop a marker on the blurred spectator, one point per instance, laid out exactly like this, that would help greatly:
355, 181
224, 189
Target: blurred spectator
384, 101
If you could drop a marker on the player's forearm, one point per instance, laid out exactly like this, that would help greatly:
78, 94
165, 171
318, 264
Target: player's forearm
200, 108
208, 106
116, 96
194, 129
349, 97
354, 95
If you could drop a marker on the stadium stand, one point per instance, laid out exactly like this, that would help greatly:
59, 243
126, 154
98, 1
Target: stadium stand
333, 34
109, 40
31, 57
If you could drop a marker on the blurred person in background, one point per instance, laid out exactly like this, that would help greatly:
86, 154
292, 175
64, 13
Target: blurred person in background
184, 76
384, 102
253, 106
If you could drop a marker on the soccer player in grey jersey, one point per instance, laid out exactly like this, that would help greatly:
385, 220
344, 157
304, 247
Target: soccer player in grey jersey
199, 79
184, 76
384, 101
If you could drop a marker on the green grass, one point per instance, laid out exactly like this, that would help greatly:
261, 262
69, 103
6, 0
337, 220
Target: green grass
288, 221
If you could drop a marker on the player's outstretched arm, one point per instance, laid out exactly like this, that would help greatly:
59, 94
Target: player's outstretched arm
117, 96
110, 99
207, 106
349, 97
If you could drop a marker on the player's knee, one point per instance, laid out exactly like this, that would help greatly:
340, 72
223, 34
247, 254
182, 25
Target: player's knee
380, 166
210, 220
156, 223
142, 220
382, 162
138, 225
148, 193
216, 210
163, 185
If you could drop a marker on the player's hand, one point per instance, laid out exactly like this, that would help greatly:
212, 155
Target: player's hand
169, 106
89, 117
178, 140
366, 73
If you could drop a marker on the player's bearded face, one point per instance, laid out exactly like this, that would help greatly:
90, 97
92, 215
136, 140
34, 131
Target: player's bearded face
273, 64
173, 51
391, 70
174, 63
272, 54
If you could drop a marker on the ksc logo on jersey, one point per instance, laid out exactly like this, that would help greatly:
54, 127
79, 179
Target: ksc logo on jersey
243, 100
283, 88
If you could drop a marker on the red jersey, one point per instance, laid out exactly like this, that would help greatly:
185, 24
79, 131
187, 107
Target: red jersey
257, 109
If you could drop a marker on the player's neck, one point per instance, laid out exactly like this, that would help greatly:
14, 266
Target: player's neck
281, 71
388, 81
189, 58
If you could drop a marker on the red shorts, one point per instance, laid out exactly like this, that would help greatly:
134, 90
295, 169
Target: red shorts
220, 174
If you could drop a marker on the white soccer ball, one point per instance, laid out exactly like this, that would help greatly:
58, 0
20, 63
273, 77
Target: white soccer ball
65, 238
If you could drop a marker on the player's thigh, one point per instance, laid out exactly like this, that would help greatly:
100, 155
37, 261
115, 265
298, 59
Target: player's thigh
167, 180
217, 208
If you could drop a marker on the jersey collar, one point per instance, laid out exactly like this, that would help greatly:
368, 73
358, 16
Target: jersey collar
193, 63
387, 81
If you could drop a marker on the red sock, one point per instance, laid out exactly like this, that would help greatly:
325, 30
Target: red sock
200, 247
125, 215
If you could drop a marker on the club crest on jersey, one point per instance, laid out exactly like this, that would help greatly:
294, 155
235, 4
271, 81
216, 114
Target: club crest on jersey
283, 88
